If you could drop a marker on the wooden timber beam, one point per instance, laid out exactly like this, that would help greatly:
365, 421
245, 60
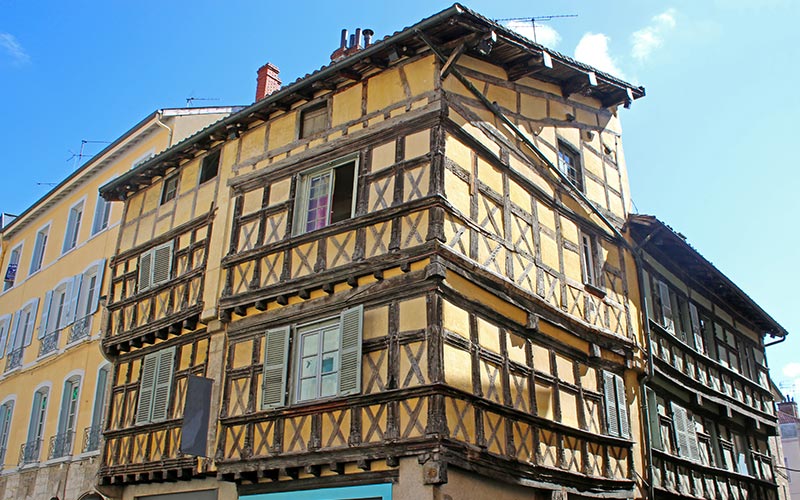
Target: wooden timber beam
579, 84
350, 74
528, 65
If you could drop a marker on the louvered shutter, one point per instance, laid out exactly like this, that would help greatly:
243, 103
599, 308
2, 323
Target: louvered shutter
145, 270
622, 407
652, 416
38, 401
647, 294
31, 323
680, 423
691, 434
276, 356
3, 337
146, 382
48, 300
14, 329
609, 390
697, 332
666, 306
163, 384
72, 308
162, 263
350, 351
98, 286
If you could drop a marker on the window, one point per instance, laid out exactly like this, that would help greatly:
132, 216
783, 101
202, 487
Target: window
5, 326
155, 266
155, 385
685, 433
327, 361
325, 196
102, 214
569, 163
31, 449
616, 405
589, 260
697, 328
11, 270
67, 419
21, 333
665, 305
727, 352
170, 189
313, 120
73, 227
210, 166
6, 412
54, 316
38, 249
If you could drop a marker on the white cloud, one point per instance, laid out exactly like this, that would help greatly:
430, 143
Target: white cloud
544, 34
9, 43
592, 49
651, 37
792, 370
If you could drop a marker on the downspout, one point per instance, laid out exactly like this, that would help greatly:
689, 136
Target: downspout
635, 251
162, 125
775, 342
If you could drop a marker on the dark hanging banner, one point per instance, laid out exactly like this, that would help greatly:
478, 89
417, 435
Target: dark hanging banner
194, 431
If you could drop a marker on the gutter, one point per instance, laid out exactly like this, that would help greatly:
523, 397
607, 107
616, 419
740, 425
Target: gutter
159, 115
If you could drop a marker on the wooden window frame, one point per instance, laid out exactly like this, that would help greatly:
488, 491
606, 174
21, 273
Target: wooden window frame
147, 262
568, 152
167, 192
319, 109
209, 166
302, 197
616, 403
157, 385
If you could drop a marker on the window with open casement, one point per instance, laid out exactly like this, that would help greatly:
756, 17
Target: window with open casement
326, 195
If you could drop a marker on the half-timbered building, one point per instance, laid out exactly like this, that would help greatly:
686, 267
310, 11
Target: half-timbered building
403, 275
709, 400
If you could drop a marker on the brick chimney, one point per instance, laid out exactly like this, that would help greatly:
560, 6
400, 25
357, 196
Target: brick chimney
267, 81
789, 407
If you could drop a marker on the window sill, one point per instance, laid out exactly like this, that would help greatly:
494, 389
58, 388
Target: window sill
595, 290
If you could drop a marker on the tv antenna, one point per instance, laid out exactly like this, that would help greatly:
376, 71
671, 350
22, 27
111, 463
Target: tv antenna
78, 157
534, 20
191, 100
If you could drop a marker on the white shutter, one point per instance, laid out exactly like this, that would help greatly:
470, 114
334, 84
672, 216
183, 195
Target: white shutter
163, 384
162, 263
145, 270
43, 324
680, 423
72, 307
146, 382
609, 390
666, 306
276, 356
696, 330
622, 407
691, 434
652, 415
14, 329
31, 323
350, 351
98, 286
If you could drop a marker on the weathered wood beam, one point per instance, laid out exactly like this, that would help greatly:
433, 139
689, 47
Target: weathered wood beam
529, 65
578, 84
350, 74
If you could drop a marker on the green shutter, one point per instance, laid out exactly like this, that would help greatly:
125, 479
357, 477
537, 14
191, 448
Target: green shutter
276, 357
609, 391
652, 416
146, 383
145, 270
350, 351
622, 407
48, 299
163, 384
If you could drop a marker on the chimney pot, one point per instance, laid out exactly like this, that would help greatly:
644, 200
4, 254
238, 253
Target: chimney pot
267, 80
368, 33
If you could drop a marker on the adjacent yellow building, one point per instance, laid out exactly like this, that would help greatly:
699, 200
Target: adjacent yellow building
53, 377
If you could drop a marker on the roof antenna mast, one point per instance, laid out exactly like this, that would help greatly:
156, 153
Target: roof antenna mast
534, 20
78, 157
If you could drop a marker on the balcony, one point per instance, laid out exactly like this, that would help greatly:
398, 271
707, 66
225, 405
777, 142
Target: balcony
29, 452
49, 343
80, 329
91, 438
60, 445
14, 358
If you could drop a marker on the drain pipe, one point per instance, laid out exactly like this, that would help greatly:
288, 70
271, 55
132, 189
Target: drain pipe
163, 125
635, 251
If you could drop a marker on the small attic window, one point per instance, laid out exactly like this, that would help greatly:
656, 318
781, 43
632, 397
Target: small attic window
313, 120
209, 167
170, 189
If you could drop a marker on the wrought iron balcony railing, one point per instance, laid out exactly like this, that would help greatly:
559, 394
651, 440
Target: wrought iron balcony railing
49, 343
29, 452
60, 445
80, 329
14, 358
91, 438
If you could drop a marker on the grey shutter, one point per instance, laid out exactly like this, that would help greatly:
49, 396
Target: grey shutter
666, 306
680, 423
350, 351
145, 270
696, 330
48, 300
72, 308
100, 397
65, 400
609, 389
6, 413
36, 410
15, 327
652, 416
163, 384
691, 434
162, 263
4, 327
622, 407
31, 323
98, 286
647, 294
276, 356
146, 382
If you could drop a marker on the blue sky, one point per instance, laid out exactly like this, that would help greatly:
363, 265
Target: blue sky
709, 149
